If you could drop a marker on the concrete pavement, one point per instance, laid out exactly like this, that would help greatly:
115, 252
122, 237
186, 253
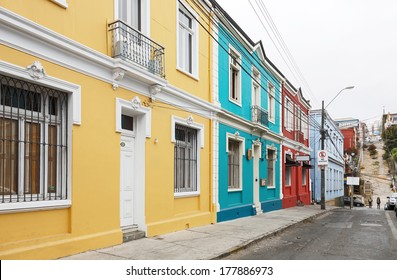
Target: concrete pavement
206, 242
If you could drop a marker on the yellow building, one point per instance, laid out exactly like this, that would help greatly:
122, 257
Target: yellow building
105, 123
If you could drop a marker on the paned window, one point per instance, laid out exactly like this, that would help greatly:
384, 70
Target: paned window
187, 41
271, 102
234, 164
235, 77
185, 159
34, 142
271, 161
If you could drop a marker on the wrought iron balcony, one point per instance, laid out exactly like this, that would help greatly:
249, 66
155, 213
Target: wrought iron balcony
131, 45
260, 115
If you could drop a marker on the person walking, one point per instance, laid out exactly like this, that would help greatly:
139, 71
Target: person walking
378, 202
370, 202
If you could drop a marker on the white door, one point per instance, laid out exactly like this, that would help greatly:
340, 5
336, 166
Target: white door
126, 180
256, 179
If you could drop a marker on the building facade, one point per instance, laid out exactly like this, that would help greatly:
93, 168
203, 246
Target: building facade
295, 150
248, 126
334, 172
100, 134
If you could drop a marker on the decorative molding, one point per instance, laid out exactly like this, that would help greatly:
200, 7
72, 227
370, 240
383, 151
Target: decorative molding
190, 120
136, 103
36, 70
118, 75
154, 90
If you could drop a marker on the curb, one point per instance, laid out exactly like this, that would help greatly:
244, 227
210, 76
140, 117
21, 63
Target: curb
248, 243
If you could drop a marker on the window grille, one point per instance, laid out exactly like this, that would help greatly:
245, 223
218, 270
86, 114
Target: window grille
185, 159
34, 142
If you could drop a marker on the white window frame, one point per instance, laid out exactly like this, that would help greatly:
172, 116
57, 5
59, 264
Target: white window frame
145, 16
288, 176
256, 87
241, 141
271, 89
273, 186
234, 63
73, 114
193, 31
289, 114
200, 145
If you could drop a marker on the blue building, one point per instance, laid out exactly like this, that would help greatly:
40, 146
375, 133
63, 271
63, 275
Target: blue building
334, 172
247, 152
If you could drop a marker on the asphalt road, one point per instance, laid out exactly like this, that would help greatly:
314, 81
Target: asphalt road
342, 234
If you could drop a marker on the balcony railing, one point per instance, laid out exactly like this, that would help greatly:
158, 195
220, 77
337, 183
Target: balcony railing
131, 45
259, 115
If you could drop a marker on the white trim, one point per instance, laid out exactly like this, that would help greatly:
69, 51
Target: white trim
62, 3
241, 141
75, 90
200, 143
187, 122
34, 206
74, 113
145, 16
128, 108
195, 38
239, 85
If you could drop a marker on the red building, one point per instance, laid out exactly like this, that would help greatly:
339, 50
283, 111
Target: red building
349, 128
296, 147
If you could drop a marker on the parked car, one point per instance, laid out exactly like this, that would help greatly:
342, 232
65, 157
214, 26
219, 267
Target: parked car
357, 201
391, 201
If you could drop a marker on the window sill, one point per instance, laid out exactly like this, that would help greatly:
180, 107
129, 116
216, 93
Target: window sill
186, 194
191, 75
16, 207
235, 190
271, 187
61, 3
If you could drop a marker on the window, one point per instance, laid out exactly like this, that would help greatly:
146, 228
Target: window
185, 159
187, 40
287, 180
256, 92
271, 159
305, 126
33, 142
235, 77
130, 11
304, 176
271, 102
234, 164
127, 122
289, 115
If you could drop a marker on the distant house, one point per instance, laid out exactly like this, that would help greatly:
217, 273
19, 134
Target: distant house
334, 185
296, 148
349, 128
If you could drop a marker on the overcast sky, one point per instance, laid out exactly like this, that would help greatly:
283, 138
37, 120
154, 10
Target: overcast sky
335, 44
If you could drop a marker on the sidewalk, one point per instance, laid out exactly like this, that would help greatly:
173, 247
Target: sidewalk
206, 242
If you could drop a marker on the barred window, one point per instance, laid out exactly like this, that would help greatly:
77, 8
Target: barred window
271, 158
234, 164
33, 147
185, 159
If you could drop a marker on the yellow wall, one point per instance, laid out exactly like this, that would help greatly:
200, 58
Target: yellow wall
83, 21
93, 220
95, 177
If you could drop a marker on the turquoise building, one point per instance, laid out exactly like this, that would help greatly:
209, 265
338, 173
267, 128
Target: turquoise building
247, 129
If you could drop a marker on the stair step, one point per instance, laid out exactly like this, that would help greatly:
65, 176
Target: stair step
132, 233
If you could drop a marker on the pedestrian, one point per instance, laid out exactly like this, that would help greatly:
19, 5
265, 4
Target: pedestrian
370, 202
378, 202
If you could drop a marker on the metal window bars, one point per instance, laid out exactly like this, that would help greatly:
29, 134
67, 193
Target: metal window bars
33, 142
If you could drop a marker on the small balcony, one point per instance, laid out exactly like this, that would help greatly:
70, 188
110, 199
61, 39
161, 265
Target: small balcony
259, 115
131, 45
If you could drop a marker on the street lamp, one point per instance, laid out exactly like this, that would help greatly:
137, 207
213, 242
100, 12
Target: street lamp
322, 145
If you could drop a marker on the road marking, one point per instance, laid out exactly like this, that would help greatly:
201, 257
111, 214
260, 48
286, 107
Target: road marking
371, 225
392, 227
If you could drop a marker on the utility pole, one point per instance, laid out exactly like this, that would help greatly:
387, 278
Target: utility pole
322, 148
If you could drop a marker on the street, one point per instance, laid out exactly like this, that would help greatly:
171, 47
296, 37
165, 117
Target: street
342, 234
